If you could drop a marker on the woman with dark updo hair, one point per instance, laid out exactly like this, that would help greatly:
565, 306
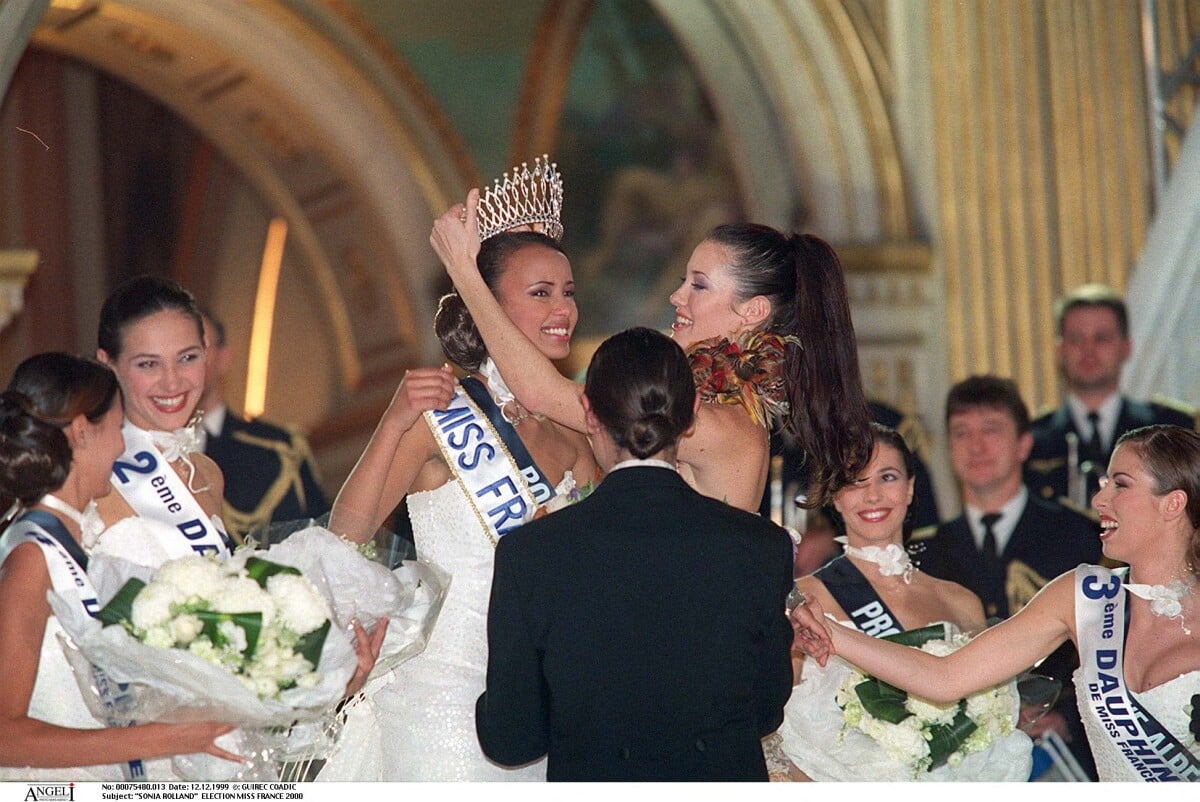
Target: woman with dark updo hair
473, 465
640, 634
60, 432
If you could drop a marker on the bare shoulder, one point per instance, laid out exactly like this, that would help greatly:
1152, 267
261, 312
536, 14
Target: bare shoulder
966, 607
577, 439
25, 564
727, 454
113, 507
24, 580
728, 421
815, 589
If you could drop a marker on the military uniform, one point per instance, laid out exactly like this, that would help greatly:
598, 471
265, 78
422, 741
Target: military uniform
1046, 470
270, 474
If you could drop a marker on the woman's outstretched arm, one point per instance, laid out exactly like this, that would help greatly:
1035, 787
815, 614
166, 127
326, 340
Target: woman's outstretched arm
27, 741
995, 656
394, 457
531, 376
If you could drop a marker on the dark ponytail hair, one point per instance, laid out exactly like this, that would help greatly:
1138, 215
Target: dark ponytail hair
453, 325
640, 387
141, 297
46, 393
802, 278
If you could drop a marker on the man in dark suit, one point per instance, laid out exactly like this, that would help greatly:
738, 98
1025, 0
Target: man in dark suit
270, 473
1008, 543
639, 634
1093, 346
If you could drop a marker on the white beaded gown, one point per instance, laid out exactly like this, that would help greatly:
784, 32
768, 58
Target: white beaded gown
1166, 702
420, 725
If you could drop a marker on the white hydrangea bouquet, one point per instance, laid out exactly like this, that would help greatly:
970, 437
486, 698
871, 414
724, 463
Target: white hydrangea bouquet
843, 725
261, 621
261, 640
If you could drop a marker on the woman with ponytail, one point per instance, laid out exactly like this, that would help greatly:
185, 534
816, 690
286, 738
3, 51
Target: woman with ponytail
765, 321
60, 432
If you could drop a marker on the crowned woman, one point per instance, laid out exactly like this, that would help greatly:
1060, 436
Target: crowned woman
473, 465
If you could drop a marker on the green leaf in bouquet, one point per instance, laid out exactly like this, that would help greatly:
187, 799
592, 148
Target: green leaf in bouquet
946, 739
883, 701
261, 570
310, 645
119, 609
251, 624
918, 637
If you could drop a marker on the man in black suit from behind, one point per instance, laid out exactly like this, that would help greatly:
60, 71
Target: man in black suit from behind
1093, 346
270, 473
639, 634
1032, 540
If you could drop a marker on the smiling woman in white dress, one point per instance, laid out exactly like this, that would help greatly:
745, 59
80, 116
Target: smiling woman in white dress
876, 587
167, 498
60, 431
1137, 630
506, 463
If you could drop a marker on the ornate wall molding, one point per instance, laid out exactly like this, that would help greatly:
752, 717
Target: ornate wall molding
16, 266
309, 127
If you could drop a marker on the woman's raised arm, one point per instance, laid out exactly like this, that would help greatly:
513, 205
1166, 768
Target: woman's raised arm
394, 457
533, 378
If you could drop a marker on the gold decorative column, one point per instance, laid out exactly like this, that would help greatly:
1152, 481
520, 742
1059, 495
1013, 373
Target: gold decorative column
1043, 171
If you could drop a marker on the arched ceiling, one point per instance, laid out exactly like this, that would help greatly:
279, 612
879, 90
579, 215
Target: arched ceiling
337, 139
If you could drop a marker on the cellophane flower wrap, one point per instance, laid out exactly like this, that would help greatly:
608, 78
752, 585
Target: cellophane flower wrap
843, 725
261, 640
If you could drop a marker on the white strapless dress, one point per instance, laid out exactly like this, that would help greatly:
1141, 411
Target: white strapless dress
56, 699
419, 723
1165, 702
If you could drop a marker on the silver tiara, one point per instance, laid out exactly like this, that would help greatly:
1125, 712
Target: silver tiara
527, 197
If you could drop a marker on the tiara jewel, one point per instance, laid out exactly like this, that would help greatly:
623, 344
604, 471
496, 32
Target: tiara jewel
527, 197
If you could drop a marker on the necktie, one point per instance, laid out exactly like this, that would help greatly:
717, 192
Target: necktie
989, 537
991, 563
1095, 446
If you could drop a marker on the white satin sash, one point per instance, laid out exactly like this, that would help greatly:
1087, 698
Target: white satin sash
154, 490
1153, 753
498, 492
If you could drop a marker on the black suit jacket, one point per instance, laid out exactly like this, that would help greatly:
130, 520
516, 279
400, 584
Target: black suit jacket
269, 473
1049, 540
1046, 468
639, 634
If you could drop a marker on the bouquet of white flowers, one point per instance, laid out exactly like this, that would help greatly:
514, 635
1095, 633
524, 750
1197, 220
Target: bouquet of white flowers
263, 622
261, 640
919, 733
843, 725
